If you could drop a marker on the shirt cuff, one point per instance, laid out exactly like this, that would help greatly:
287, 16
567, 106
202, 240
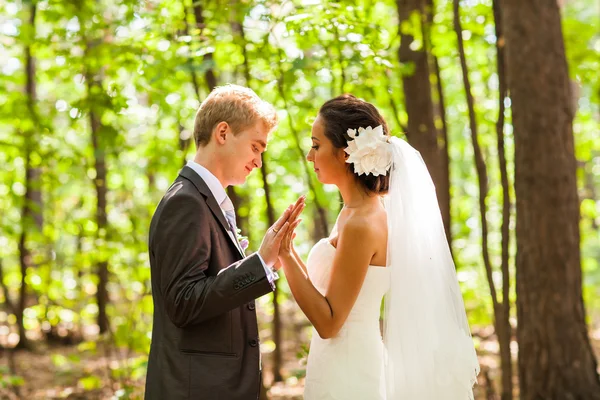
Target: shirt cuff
272, 275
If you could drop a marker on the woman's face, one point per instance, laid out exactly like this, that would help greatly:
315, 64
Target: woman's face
329, 162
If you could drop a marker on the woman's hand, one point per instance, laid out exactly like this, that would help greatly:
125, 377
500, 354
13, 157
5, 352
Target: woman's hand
287, 245
270, 247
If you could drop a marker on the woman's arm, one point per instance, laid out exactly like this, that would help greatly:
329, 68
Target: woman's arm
353, 255
299, 260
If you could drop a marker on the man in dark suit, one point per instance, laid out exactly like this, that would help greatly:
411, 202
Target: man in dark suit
205, 341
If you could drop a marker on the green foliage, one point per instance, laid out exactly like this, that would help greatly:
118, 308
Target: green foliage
132, 64
90, 382
7, 379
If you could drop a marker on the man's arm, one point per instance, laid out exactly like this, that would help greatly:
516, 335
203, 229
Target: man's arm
182, 249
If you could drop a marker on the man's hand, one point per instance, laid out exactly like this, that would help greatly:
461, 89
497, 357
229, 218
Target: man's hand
269, 248
277, 265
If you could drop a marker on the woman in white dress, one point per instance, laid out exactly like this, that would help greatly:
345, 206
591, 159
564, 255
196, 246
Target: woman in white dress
388, 240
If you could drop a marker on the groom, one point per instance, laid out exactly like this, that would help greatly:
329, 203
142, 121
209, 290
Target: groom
205, 338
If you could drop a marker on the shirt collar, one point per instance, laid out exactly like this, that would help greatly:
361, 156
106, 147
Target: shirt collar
211, 181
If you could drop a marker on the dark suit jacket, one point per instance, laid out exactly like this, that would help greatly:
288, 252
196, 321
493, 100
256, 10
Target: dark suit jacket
205, 335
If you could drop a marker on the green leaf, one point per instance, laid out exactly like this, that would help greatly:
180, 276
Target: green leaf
91, 382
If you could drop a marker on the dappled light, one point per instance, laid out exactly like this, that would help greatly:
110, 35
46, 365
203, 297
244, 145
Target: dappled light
98, 105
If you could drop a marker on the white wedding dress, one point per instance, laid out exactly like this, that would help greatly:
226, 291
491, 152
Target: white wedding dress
350, 365
428, 353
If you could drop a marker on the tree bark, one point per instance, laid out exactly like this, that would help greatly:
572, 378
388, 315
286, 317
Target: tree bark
94, 88
29, 222
439, 117
209, 75
210, 80
321, 225
504, 329
31, 214
444, 191
590, 186
101, 220
185, 142
501, 324
277, 359
7, 299
422, 133
555, 356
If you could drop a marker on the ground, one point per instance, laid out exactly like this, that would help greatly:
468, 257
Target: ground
64, 372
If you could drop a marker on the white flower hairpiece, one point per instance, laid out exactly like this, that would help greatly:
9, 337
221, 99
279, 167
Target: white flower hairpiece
369, 151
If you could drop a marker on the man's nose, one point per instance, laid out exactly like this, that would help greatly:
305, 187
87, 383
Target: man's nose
258, 162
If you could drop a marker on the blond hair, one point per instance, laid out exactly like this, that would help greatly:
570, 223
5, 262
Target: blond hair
237, 105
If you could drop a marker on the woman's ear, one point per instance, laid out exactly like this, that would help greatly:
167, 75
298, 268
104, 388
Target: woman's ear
343, 156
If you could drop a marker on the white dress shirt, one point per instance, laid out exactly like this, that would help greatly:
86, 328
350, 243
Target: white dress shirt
219, 193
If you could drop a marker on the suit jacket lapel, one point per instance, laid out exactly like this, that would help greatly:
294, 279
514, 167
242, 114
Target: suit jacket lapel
193, 177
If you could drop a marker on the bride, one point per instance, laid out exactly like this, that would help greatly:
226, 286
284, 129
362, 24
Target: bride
389, 241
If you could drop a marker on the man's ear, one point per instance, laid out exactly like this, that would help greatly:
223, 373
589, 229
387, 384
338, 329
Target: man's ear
220, 132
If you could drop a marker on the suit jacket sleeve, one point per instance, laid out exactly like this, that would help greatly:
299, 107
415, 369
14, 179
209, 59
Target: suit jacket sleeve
182, 247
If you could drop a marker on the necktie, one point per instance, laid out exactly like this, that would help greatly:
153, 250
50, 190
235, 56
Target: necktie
227, 207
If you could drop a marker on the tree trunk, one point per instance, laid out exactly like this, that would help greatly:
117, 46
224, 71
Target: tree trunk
94, 84
439, 118
503, 327
590, 186
209, 75
555, 356
444, 190
7, 299
501, 322
321, 224
422, 133
31, 219
31, 214
277, 360
186, 142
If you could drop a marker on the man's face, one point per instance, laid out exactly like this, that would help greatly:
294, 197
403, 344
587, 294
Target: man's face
244, 152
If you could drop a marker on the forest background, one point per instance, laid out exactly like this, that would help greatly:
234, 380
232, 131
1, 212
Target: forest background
97, 103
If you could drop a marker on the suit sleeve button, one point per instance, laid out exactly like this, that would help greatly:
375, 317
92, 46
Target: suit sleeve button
253, 342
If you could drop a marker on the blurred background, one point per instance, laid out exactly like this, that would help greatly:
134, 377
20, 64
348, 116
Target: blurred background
97, 103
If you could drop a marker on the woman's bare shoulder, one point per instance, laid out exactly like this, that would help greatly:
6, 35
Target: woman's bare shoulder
366, 224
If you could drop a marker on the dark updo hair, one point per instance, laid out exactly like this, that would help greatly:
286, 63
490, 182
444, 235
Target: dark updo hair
348, 112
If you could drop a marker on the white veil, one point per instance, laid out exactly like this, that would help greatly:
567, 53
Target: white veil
429, 350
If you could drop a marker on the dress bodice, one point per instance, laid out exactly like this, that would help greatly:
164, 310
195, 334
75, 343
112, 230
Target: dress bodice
349, 365
376, 283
